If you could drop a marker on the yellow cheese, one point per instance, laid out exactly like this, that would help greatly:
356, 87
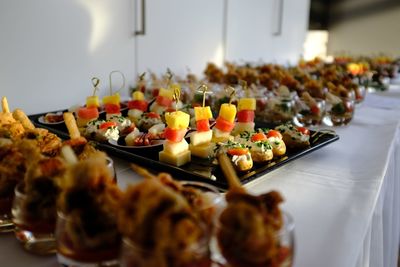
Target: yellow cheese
247, 104
203, 151
92, 101
166, 93
176, 160
200, 138
220, 136
137, 95
228, 112
112, 99
202, 113
177, 120
173, 148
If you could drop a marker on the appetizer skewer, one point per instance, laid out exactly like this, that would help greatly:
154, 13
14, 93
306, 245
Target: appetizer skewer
225, 121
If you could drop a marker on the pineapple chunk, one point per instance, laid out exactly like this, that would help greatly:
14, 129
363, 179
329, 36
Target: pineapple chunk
112, 99
203, 151
137, 95
228, 112
247, 104
200, 138
166, 93
202, 113
175, 148
92, 101
177, 160
177, 120
243, 127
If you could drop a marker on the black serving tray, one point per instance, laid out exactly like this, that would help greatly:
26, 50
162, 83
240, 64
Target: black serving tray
198, 169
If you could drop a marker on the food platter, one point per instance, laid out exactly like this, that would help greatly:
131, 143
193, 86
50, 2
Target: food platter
120, 143
204, 170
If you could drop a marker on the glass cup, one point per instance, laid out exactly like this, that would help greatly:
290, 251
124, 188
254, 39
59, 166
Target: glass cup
111, 168
6, 224
310, 116
280, 110
360, 93
283, 251
98, 253
34, 221
340, 113
195, 255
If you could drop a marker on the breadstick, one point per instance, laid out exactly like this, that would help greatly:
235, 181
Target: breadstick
4, 104
20, 116
70, 122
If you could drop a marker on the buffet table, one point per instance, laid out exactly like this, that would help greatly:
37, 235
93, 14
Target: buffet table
344, 198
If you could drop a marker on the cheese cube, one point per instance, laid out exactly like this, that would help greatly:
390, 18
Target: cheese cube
92, 101
202, 113
220, 136
137, 95
228, 112
243, 127
112, 99
200, 138
203, 151
175, 148
176, 160
166, 93
177, 120
247, 104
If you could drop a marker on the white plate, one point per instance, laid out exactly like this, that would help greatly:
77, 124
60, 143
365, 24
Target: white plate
43, 121
156, 143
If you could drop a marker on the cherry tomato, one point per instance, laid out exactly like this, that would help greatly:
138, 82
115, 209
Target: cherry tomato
258, 137
88, 113
174, 135
238, 151
303, 130
224, 125
112, 109
203, 125
153, 115
315, 110
108, 124
245, 116
138, 104
274, 133
163, 101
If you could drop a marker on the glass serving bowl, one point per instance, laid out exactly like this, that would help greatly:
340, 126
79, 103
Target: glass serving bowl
283, 251
341, 113
279, 110
6, 224
34, 220
91, 253
310, 116
111, 168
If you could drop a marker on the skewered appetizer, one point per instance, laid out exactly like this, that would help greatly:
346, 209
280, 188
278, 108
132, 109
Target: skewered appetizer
224, 123
245, 115
85, 115
277, 143
200, 141
294, 137
240, 155
112, 105
163, 101
176, 149
148, 120
137, 106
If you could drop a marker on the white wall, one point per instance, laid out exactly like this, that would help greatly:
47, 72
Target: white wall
50, 49
368, 35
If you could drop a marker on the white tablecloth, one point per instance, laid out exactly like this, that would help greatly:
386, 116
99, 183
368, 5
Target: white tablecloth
344, 198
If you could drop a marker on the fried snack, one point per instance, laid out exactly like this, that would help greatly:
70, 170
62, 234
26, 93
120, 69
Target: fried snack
13, 130
249, 225
48, 143
90, 200
20, 116
4, 104
162, 224
70, 122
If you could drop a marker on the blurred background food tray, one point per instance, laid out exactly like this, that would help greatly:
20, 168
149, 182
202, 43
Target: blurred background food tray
198, 169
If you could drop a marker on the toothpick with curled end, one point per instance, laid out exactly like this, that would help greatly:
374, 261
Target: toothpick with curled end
95, 83
110, 79
169, 77
176, 96
141, 76
231, 94
204, 90
229, 172
245, 87
4, 104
